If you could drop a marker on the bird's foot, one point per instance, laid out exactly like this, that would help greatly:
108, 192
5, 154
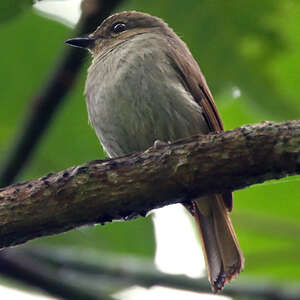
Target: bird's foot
158, 144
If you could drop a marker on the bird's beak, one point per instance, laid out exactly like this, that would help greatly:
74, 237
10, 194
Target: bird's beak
83, 42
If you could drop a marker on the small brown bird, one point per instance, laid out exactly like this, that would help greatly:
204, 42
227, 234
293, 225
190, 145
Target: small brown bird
144, 85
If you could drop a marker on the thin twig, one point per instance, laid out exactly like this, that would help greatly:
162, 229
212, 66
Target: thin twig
144, 273
29, 270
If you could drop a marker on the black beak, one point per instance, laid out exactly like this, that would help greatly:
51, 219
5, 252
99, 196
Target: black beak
84, 42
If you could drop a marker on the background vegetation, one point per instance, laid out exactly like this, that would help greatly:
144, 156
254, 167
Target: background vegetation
249, 46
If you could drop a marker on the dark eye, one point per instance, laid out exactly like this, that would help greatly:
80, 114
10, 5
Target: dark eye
119, 27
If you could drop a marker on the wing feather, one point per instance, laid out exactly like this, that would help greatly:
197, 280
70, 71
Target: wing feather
195, 83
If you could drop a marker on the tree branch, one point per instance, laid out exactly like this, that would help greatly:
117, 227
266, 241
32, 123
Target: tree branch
27, 269
101, 191
141, 272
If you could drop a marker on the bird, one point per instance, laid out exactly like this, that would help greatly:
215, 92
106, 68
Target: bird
143, 87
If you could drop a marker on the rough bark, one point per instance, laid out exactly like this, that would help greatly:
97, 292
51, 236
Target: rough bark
122, 188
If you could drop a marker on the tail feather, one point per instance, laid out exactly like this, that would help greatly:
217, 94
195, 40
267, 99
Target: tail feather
223, 256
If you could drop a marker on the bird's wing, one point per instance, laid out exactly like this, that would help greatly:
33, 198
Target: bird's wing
195, 83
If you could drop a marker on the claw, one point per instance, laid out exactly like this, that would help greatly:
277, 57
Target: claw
159, 144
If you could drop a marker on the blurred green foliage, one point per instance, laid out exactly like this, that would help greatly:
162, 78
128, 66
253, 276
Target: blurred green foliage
249, 45
12, 8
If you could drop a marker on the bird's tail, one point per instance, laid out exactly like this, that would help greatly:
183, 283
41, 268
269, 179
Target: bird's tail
223, 256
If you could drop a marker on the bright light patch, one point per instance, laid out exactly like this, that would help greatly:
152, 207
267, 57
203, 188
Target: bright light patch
67, 11
13, 294
137, 293
236, 92
177, 249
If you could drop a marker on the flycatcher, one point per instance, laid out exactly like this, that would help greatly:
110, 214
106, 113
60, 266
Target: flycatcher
144, 85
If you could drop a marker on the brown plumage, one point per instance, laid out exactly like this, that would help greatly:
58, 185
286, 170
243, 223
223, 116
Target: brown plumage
223, 256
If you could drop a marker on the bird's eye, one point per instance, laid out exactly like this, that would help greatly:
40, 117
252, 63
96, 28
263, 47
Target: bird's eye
119, 27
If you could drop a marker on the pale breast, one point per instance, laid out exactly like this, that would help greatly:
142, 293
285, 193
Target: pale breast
134, 97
